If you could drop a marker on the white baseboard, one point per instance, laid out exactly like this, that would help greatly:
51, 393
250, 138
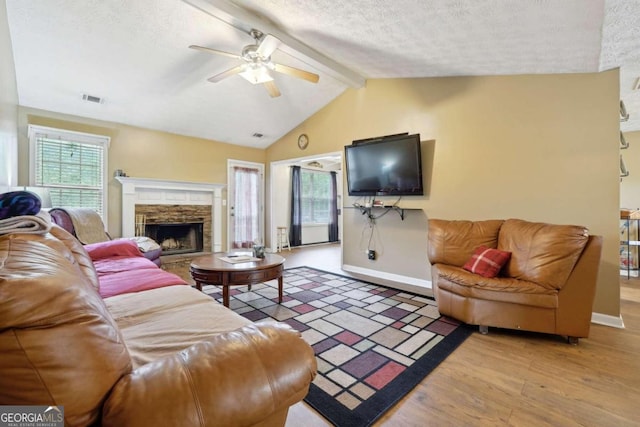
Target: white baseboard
607, 320
405, 283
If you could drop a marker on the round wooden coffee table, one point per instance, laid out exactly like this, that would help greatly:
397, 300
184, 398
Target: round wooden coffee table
211, 270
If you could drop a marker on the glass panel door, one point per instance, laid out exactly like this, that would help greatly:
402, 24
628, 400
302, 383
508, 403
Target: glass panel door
245, 204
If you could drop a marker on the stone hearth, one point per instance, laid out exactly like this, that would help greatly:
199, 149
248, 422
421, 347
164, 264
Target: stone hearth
162, 201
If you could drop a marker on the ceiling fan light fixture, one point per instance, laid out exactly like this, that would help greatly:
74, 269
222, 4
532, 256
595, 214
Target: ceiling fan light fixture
257, 65
256, 74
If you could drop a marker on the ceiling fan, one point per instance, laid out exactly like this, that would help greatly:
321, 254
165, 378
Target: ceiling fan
257, 65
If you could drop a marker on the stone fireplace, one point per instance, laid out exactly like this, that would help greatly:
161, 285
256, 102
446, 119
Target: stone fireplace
182, 217
178, 229
177, 238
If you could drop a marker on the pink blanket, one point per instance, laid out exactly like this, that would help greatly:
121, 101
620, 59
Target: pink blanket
136, 280
122, 268
118, 264
113, 248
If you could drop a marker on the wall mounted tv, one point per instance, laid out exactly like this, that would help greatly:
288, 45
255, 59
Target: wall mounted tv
385, 166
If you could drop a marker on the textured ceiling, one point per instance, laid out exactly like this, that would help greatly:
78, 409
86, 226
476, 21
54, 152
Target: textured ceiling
135, 55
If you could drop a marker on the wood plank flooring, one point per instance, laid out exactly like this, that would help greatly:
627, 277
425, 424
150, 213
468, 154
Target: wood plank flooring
517, 379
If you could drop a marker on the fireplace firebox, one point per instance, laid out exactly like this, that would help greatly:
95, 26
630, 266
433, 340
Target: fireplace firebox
177, 238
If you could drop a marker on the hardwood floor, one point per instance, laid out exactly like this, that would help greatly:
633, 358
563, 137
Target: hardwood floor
510, 378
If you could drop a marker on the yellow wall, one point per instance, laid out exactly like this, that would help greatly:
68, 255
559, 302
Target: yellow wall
142, 153
537, 147
533, 147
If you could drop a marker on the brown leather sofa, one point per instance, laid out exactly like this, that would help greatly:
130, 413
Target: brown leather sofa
548, 285
170, 356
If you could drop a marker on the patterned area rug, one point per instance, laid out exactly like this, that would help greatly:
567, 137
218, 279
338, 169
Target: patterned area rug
373, 344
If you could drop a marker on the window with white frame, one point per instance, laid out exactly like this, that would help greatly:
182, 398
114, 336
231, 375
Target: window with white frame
315, 197
71, 165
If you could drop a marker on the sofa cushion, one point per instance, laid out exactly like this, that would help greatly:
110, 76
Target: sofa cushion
122, 268
55, 332
461, 282
453, 242
487, 262
160, 322
541, 253
248, 377
119, 264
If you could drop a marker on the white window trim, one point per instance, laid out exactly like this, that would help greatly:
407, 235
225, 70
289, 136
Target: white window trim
83, 137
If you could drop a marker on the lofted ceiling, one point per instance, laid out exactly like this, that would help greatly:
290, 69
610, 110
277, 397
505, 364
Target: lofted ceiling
134, 54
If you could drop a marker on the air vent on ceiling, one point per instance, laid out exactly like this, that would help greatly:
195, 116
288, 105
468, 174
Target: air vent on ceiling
91, 98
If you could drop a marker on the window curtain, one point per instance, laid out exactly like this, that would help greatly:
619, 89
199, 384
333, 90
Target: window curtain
333, 209
295, 228
246, 213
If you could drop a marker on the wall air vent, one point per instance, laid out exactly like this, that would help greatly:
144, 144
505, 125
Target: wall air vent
91, 98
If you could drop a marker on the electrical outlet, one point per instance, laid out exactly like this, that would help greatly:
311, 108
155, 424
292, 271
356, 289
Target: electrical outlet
371, 254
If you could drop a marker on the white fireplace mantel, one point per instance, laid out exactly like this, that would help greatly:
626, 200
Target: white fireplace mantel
148, 191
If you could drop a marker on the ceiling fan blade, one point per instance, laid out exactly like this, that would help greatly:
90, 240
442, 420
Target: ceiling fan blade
268, 45
296, 72
217, 52
273, 90
225, 74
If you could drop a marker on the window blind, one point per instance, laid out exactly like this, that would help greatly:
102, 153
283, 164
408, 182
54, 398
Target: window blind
316, 196
71, 165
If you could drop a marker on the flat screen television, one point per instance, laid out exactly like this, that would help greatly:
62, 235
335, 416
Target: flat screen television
385, 166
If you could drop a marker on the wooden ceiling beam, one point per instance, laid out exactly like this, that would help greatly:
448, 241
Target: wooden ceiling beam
245, 21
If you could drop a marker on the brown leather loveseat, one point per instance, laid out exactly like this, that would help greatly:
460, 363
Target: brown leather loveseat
547, 285
170, 356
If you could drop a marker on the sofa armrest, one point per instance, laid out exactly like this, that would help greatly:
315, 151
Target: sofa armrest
232, 379
575, 299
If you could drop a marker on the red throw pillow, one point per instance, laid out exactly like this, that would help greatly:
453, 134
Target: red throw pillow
487, 262
112, 248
